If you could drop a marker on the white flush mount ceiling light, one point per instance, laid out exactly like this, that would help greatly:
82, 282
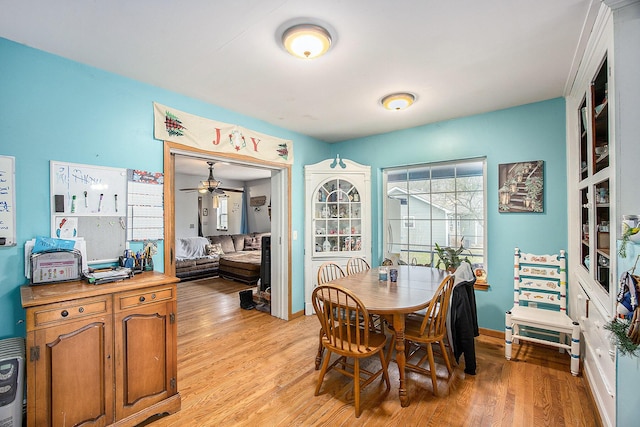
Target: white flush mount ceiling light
398, 101
306, 41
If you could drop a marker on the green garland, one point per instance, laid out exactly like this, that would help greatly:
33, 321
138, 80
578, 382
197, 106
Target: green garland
627, 232
619, 329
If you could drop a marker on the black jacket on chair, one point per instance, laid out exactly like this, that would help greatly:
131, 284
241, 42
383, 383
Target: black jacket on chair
463, 324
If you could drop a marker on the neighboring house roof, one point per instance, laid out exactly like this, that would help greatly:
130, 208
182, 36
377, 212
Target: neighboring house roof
396, 191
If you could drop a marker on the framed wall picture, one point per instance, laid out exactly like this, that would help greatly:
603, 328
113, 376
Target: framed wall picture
521, 186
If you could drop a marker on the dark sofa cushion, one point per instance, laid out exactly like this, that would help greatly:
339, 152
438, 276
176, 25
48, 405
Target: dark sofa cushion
211, 261
184, 263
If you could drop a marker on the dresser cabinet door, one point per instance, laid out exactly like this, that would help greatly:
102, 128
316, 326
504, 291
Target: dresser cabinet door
145, 349
73, 373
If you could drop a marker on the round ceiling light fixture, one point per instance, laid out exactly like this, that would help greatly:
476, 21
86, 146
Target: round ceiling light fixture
398, 101
306, 41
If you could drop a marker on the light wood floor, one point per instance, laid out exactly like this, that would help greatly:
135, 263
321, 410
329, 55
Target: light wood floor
239, 367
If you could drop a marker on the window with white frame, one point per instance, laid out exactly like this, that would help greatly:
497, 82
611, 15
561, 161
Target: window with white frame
431, 203
222, 214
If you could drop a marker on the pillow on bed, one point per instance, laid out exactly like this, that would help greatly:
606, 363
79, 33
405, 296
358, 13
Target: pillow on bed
214, 249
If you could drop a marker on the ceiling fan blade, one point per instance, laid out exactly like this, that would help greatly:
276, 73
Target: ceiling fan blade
191, 190
231, 190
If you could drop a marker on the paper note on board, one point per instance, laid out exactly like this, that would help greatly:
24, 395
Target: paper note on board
7, 202
66, 227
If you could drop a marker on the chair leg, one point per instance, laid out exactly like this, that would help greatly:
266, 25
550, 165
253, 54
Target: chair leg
432, 367
445, 356
385, 366
508, 330
452, 358
356, 384
325, 364
320, 350
575, 349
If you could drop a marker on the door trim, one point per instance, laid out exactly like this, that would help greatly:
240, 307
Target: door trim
281, 214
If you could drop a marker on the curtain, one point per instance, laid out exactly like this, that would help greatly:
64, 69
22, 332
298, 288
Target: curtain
244, 221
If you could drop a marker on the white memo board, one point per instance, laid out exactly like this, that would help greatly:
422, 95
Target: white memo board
100, 209
7, 201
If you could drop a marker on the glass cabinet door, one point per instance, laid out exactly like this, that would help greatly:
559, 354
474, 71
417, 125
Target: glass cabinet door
594, 183
337, 217
600, 119
601, 225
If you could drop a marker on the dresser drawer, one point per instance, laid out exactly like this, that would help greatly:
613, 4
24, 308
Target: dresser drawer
57, 313
127, 300
602, 351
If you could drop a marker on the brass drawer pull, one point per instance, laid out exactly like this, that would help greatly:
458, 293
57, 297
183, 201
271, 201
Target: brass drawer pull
142, 298
64, 313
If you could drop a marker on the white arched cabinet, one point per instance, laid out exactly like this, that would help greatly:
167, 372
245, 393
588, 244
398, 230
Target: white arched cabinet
337, 216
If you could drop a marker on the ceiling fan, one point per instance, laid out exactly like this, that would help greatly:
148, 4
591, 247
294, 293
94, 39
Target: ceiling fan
212, 185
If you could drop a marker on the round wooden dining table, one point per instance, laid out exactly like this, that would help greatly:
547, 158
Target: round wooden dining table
413, 291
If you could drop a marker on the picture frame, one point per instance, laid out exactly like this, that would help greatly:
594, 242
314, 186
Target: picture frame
521, 187
205, 212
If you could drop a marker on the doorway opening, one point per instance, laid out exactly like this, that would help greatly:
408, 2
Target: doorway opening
279, 209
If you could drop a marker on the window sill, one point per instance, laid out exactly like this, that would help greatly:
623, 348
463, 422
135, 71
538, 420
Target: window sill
481, 286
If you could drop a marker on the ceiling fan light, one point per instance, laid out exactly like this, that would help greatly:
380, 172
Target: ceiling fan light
306, 41
211, 184
398, 101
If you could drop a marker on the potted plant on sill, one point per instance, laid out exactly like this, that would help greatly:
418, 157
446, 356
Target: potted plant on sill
451, 258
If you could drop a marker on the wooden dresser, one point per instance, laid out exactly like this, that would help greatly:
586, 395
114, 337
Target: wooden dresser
101, 355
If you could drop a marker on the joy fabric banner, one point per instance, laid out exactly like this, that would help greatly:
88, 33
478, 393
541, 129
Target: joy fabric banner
187, 129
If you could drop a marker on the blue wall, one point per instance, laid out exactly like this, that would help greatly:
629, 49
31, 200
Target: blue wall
56, 109
530, 132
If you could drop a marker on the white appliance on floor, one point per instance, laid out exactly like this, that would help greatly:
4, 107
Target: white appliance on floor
12, 359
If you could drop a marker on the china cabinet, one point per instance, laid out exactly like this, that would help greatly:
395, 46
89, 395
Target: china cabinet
602, 107
101, 355
337, 217
591, 153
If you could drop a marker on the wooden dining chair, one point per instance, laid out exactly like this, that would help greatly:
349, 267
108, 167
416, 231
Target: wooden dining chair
357, 265
340, 312
326, 273
424, 331
329, 271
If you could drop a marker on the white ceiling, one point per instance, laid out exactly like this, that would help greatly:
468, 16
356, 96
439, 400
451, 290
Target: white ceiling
461, 57
222, 170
